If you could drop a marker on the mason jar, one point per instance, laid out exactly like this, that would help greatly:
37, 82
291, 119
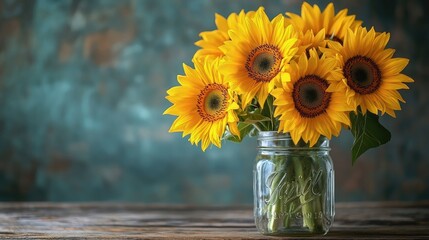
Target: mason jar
293, 186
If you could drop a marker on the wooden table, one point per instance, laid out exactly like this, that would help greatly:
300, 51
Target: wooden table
387, 220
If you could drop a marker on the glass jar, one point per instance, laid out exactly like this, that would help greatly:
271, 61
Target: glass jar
293, 186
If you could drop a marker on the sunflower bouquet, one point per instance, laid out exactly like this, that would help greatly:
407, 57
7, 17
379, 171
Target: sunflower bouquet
308, 75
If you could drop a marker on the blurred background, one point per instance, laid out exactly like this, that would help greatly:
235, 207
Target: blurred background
82, 92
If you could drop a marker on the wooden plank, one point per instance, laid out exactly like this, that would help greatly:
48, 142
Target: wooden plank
387, 220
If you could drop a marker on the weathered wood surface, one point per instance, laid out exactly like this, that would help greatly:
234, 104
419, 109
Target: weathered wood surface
136, 221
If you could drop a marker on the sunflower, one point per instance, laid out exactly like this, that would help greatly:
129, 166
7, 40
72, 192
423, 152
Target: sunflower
256, 55
370, 77
313, 19
306, 109
308, 40
212, 40
203, 104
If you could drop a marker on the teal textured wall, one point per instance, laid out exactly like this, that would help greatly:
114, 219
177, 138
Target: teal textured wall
82, 87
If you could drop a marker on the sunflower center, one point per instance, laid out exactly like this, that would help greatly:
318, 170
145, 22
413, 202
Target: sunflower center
212, 102
263, 63
310, 96
362, 74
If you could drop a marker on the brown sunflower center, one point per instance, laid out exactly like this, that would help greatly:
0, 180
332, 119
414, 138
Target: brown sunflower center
310, 96
263, 63
212, 102
362, 74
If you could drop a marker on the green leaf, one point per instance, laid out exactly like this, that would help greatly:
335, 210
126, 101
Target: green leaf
244, 128
368, 133
252, 118
268, 111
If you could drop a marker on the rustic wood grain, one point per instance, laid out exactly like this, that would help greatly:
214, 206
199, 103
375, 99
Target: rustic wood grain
391, 220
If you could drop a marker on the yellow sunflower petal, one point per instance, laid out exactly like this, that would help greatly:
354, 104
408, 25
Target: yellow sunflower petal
370, 75
203, 104
255, 56
304, 106
312, 18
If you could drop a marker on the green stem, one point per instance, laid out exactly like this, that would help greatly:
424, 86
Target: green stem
292, 203
282, 205
303, 177
255, 125
286, 202
295, 186
319, 189
270, 101
274, 205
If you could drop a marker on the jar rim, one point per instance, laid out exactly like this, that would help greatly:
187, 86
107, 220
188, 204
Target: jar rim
275, 139
276, 133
